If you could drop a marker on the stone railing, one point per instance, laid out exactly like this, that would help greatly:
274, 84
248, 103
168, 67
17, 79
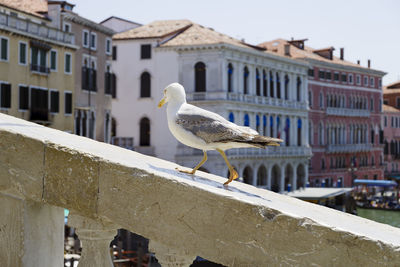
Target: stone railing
239, 97
348, 148
348, 112
37, 30
105, 187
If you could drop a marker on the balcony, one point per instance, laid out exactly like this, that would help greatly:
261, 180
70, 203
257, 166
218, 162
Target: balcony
348, 148
348, 112
251, 99
39, 31
43, 171
40, 69
124, 142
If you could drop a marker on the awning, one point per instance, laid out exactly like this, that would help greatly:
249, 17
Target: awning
384, 183
317, 193
40, 45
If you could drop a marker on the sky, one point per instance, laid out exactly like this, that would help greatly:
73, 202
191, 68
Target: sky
367, 29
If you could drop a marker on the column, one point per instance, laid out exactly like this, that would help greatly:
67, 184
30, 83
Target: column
269, 169
293, 130
305, 132
304, 87
95, 237
282, 180
239, 78
268, 85
275, 83
282, 79
255, 171
224, 69
292, 85
252, 80
275, 125
294, 183
305, 174
171, 257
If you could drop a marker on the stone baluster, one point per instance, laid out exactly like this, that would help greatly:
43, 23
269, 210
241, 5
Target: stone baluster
171, 257
95, 237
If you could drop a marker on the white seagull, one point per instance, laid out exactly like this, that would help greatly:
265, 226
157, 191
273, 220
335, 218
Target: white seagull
205, 130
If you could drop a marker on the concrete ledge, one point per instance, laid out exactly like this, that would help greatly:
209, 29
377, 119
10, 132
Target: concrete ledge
238, 225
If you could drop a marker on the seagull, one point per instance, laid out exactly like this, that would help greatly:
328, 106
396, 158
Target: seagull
206, 130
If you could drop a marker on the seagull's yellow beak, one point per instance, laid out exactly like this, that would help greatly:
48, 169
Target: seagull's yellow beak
162, 102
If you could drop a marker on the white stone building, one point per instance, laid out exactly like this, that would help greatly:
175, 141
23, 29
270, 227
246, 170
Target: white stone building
245, 84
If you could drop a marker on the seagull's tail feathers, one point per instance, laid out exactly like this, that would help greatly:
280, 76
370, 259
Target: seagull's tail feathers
263, 141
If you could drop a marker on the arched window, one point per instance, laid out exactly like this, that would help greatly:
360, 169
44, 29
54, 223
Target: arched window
265, 83
271, 84
298, 89
200, 77
257, 123
271, 126
286, 87
246, 120
299, 132
145, 85
264, 125
231, 117
230, 77
144, 132
245, 80
287, 131
310, 133
278, 128
310, 99
278, 86
258, 83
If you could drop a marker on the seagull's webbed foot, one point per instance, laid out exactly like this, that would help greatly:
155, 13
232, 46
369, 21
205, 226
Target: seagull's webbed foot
232, 176
185, 171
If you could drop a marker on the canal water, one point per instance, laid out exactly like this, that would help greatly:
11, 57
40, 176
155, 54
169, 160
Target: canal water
382, 216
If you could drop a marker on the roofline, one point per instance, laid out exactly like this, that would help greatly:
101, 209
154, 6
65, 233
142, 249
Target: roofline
180, 30
120, 19
22, 11
81, 20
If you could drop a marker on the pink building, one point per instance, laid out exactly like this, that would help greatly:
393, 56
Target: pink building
345, 107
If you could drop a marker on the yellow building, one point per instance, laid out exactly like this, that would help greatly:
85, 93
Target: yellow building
36, 68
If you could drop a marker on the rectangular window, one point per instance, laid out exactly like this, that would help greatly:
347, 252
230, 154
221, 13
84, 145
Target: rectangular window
344, 77
67, 63
54, 101
328, 75
5, 95
372, 82
85, 38
22, 53
321, 74
145, 51
398, 102
365, 80
4, 49
68, 103
39, 104
114, 52
336, 76
358, 79
385, 121
311, 72
108, 46
67, 27
350, 78
93, 41
53, 60
23, 97
372, 104
38, 60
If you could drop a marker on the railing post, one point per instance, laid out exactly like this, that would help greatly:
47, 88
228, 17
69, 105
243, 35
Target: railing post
171, 257
95, 237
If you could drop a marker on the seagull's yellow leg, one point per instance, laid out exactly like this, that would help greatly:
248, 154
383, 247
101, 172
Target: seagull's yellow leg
232, 173
198, 165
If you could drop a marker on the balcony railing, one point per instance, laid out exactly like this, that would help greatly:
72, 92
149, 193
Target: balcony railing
40, 68
125, 142
44, 171
238, 97
349, 148
348, 112
39, 30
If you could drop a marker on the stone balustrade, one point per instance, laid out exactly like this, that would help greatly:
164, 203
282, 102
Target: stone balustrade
348, 148
105, 187
348, 112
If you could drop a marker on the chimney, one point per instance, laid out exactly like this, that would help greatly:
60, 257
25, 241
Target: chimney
369, 63
342, 53
358, 62
287, 49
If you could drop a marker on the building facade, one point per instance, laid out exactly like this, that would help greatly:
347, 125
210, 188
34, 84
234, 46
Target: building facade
345, 102
36, 67
391, 124
245, 84
118, 24
94, 79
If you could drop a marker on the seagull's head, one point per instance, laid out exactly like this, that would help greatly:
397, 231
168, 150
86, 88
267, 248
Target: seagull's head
173, 92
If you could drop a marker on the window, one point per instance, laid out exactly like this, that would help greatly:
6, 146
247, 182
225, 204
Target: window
231, 117
351, 78
145, 51
22, 53
344, 77
39, 105
23, 97
385, 121
365, 80
145, 85
114, 52
89, 78
67, 68
54, 101
311, 73
39, 60
85, 38
230, 74
321, 100
93, 40
372, 82
398, 102
108, 46
321, 74
109, 82
5, 95
144, 132
4, 49
328, 75
53, 60
380, 83
299, 130
358, 79
67, 27
372, 104
200, 77
310, 99
336, 76
298, 89
245, 80
258, 83
68, 103
246, 120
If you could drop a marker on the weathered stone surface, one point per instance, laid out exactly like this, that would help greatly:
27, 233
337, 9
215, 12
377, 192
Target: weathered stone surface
21, 165
237, 225
71, 179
